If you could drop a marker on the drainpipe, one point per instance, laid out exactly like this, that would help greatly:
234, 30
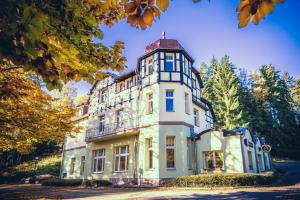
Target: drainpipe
195, 155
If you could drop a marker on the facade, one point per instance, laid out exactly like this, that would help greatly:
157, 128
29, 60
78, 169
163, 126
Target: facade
141, 126
234, 151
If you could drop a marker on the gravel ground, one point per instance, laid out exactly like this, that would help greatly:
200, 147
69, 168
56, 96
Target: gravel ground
287, 188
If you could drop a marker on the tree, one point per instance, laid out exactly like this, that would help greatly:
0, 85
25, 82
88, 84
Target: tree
55, 38
28, 115
222, 90
276, 117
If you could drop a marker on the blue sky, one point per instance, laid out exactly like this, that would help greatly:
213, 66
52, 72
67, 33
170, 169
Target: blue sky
210, 29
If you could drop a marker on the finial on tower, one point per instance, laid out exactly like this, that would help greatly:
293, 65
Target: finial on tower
163, 35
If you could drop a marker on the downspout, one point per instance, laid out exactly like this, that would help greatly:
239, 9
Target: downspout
195, 155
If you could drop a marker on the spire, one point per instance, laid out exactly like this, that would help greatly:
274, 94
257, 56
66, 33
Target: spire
163, 35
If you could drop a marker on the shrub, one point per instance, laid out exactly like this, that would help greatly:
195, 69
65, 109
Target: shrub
62, 182
96, 183
215, 180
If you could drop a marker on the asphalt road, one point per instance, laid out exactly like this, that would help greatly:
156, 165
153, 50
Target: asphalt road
287, 188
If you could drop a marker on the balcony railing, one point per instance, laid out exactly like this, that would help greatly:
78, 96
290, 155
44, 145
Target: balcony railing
109, 129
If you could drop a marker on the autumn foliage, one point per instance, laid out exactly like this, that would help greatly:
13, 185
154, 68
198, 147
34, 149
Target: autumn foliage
28, 115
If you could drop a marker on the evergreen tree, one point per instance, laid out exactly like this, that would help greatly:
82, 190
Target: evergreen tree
222, 90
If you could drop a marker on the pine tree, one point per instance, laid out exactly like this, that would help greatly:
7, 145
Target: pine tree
222, 90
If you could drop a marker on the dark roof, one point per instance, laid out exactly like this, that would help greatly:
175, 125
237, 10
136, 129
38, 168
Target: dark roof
203, 132
237, 131
163, 44
125, 76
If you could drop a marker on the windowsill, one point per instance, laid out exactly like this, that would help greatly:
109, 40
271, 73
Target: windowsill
188, 113
171, 169
121, 171
171, 111
149, 113
98, 172
150, 169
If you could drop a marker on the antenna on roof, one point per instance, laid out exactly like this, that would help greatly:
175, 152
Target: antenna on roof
163, 35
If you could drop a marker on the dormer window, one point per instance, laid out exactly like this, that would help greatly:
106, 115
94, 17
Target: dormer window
169, 62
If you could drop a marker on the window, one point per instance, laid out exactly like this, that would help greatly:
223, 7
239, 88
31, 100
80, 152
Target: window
170, 101
196, 117
82, 165
129, 83
149, 103
169, 62
213, 159
250, 160
103, 96
189, 153
170, 152
149, 155
102, 124
150, 65
72, 166
98, 160
186, 103
119, 120
209, 120
121, 158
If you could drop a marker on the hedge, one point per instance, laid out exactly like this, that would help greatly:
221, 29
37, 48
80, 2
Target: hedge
62, 182
220, 180
75, 182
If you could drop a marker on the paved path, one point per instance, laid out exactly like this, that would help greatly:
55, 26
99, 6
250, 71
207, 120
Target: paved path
287, 188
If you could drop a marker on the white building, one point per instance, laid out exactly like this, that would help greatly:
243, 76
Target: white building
140, 126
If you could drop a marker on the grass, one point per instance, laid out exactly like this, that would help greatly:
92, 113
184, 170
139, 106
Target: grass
47, 165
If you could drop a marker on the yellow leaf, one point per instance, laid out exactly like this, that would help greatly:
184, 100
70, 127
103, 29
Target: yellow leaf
267, 7
148, 17
242, 4
162, 4
244, 16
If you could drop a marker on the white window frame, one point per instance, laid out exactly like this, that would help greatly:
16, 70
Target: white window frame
103, 96
149, 150
170, 57
172, 98
82, 165
173, 147
196, 117
102, 124
96, 157
118, 158
72, 166
187, 103
149, 103
214, 158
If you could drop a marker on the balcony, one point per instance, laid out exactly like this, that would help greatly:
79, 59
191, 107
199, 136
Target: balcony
112, 130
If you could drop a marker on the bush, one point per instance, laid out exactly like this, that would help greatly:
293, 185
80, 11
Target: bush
96, 183
217, 180
47, 165
62, 182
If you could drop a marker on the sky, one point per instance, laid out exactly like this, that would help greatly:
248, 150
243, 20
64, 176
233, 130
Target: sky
208, 29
